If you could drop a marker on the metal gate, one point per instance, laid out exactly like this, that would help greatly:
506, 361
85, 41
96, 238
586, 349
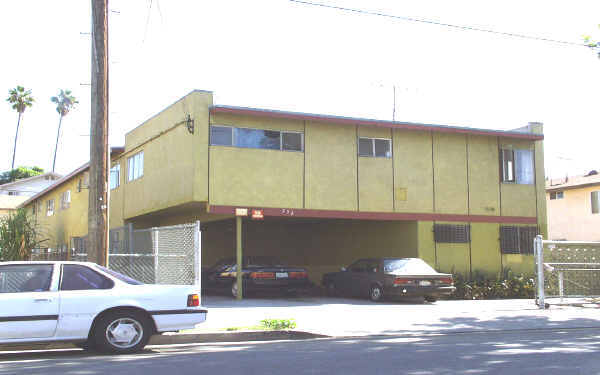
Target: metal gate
158, 255
567, 272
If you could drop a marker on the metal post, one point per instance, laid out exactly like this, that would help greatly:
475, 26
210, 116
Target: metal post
130, 246
155, 231
539, 255
197, 255
561, 289
238, 273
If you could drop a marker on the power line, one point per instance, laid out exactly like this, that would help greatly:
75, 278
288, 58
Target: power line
423, 20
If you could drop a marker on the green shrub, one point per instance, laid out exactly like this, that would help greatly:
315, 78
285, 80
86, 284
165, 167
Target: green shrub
278, 323
505, 285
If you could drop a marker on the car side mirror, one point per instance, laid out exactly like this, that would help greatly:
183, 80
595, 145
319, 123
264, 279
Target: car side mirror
343, 269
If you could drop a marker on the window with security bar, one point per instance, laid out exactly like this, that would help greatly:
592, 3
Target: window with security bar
452, 233
517, 240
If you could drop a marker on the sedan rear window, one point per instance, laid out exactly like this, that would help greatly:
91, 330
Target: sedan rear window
21, 278
407, 266
76, 277
118, 276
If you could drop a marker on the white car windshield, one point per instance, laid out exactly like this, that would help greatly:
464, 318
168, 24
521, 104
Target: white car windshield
407, 266
118, 276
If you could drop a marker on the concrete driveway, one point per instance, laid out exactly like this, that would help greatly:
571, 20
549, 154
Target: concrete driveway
356, 317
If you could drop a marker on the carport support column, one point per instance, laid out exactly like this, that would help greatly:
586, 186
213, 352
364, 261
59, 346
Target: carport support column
238, 246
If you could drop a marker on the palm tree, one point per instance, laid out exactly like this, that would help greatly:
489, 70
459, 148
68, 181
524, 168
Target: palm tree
20, 100
64, 103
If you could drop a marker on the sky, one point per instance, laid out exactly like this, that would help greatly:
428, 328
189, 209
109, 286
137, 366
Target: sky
278, 54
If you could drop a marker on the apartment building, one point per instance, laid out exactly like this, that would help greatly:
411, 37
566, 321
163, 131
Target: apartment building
321, 191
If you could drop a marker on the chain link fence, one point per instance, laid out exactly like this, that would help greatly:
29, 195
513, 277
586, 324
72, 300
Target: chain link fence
567, 272
159, 255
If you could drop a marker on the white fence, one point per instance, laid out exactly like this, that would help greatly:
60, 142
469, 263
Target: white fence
566, 272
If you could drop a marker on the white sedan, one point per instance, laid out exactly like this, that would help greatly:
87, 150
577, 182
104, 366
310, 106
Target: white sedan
89, 305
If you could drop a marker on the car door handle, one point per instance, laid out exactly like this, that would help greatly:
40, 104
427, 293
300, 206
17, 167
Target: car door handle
42, 300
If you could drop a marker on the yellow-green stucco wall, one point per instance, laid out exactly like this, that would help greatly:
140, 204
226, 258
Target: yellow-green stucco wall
66, 223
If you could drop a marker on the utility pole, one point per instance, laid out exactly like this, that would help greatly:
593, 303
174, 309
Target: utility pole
99, 156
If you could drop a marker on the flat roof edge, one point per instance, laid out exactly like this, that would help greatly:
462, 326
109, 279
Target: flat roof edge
371, 122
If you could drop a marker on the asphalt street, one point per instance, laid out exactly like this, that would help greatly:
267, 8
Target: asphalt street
572, 351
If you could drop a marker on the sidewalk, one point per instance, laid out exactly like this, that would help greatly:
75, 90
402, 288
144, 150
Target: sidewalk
355, 317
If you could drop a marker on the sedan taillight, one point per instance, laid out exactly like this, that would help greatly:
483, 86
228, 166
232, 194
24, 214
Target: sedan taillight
298, 275
445, 280
403, 281
193, 300
262, 275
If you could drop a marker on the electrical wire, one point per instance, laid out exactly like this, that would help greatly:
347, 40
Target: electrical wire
426, 21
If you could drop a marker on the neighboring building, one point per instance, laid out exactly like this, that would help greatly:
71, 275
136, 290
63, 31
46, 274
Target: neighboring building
332, 189
9, 203
29, 186
574, 208
61, 210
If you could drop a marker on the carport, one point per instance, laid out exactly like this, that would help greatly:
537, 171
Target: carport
320, 245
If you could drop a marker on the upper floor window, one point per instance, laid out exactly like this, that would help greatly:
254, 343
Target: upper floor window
13, 193
557, 195
256, 138
65, 200
595, 195
115, 176
517, 166
135, 166
50, 207
375, 147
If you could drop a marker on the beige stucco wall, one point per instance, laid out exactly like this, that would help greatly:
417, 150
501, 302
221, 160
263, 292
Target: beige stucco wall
571, 218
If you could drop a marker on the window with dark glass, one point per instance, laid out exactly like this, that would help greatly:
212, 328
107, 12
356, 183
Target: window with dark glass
452, 233
22, 278
375, 147
291, 141
76, 277
221, 136
557, 195
517, 240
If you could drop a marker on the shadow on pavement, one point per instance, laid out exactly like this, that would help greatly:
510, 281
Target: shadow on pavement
547, 352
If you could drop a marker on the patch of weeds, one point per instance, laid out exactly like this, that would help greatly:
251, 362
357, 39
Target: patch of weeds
276, 324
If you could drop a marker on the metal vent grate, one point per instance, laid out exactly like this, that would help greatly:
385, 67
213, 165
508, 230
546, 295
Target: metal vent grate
452, 233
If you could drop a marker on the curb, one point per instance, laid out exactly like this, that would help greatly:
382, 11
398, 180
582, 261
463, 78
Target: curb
186, 338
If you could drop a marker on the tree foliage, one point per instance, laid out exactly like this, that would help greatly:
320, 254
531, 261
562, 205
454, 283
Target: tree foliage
64, 103
18, 235
20, 99
19, 173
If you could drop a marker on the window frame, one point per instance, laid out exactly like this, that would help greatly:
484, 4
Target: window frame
520, 231
373, 149
117, 182
50, 203
514, 168
65, 199
135, 174
234, 137
597, 201
557, 195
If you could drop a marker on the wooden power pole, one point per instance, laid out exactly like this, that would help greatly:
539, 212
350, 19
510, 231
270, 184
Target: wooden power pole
97, 249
